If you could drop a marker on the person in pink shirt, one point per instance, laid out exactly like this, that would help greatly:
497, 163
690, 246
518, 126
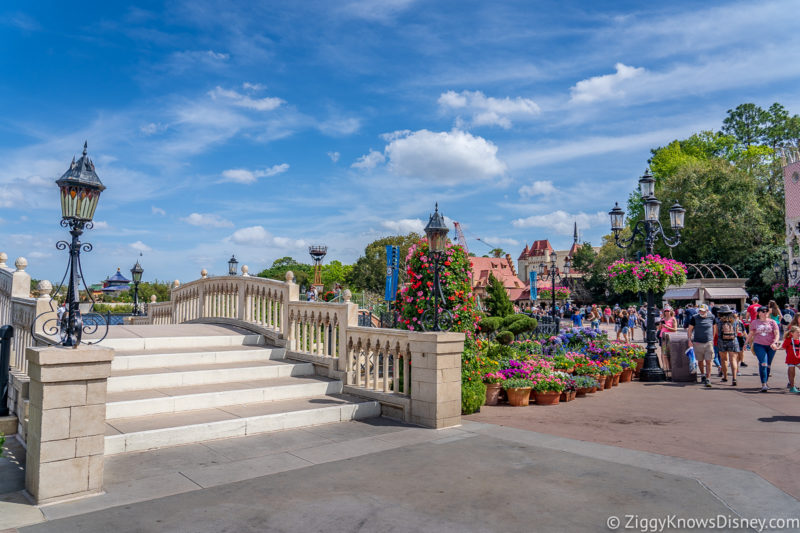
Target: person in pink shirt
764, 337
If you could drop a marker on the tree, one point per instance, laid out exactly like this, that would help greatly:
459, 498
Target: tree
335, 272
497, 252
497, 301
303, 273
369, 271
747, 123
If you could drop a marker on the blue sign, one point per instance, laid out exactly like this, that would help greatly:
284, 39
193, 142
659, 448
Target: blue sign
532, 280
392, 272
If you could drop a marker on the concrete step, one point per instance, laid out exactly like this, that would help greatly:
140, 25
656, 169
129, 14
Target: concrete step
167, 377
172, 429
188, 398
171, 343
133, 360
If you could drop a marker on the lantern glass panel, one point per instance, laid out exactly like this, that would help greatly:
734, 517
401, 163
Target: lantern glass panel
542, 269
785, 256
652, 208
136, 272
676, 217
647, 185
232, 264
437, 240
567, 266
617, 218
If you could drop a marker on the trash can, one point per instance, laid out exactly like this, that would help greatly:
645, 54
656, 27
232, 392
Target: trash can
674, 346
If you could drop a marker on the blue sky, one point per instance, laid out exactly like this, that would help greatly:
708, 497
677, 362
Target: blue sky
258, 128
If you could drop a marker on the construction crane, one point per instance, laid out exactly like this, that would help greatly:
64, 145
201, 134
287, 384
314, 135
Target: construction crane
461, 240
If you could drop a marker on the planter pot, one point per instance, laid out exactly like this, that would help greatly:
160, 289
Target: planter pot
583, 391
519, 397
567, 396
547, 398
627, 375
615, 381
593, 390
601, 383
609, 382
493, 393
639, 366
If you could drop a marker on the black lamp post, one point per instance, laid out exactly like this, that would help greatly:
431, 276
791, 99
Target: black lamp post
650, 228
436, 232
782, 272
80, 191
553, 274
232, 264
136, 275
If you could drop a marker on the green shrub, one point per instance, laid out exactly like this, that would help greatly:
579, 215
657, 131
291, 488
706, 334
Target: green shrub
504, 337
522, 325
490, 324
2, 441
473, 394
500, 352
113, 309
511, 319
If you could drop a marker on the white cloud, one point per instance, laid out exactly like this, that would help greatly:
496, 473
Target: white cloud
139, 246
499, 241
101, 225
489, 111
240, 175
257, 236
339, 126
404, 226
158, 211
562, 222
253, 86
152, 128
448, 157
376, 10
605, 87
207, 220
370, 160
538, 188
334, 156
241, 100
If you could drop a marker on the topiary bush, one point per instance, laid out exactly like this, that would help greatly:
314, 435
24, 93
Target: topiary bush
490, 324
504, 337
473, 394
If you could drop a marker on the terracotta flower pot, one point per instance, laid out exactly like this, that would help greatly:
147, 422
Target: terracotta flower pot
639, 366
601, 383
573, 394
547, 398
593, 389
609, 382
493, 393
627, 375
615, 381
567, 396
518, 397
583, 391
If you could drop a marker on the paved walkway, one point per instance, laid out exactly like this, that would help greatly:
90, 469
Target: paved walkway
385, 476
737, 427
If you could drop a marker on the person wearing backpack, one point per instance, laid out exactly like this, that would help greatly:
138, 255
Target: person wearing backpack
728, 343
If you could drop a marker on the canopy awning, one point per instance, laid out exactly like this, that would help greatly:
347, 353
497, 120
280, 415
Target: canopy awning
735, 293
681, 294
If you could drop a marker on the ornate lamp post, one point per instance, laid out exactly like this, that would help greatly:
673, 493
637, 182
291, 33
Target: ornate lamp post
136, 276
80, 191
232, 265
650, 228
553, 274
436, 232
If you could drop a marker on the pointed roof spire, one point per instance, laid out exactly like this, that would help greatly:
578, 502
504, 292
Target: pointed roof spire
575, 233
85, 147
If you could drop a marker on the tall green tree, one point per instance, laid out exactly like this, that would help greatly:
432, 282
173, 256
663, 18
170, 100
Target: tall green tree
747, 123
497, 301
303, 273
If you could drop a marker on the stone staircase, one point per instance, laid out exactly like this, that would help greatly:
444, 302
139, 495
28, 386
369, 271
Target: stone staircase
166, 391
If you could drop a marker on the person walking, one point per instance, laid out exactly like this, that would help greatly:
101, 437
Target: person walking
728, 343
752, 309
775, 314
594, 317
701, 332
792, 346
741, 335
669, 324
624, 321
764, 337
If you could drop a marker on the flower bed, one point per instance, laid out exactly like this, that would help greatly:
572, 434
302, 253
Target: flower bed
577, 360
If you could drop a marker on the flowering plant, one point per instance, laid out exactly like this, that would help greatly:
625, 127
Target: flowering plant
547, 383
651, 272
562, 293
517, 383
585, 382
416, 296
780, 290
494, 377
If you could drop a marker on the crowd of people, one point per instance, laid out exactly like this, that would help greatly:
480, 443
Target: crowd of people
718, 335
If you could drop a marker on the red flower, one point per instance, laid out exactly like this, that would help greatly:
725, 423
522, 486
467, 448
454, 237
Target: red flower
447, 263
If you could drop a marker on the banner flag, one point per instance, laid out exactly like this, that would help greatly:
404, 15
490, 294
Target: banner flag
532, 280
392, 272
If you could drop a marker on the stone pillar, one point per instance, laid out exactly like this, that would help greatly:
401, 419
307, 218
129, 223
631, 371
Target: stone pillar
436, 378
21, 284
66, 429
